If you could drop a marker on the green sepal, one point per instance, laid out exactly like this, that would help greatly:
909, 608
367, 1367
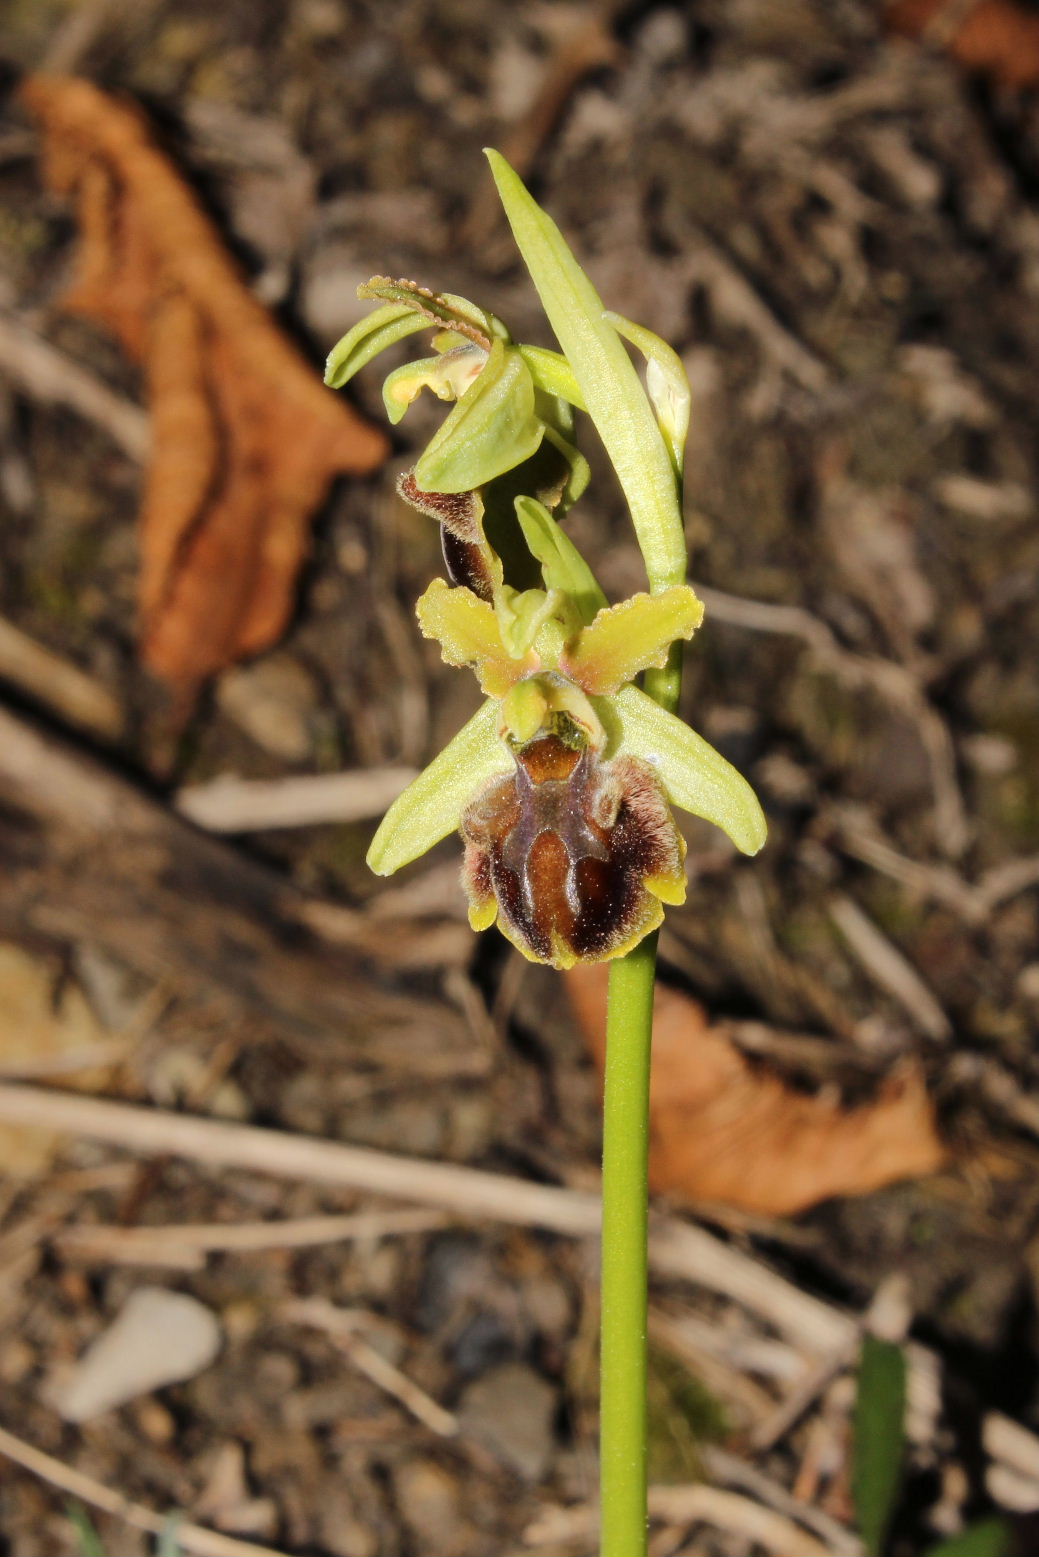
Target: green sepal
367, 338
553, 374
493, 428
695, 777
631, 637
667, 383
606, 377
562, 565
431, 805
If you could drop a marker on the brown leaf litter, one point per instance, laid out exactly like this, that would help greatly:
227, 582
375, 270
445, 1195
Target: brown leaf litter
245, 438
726, 1131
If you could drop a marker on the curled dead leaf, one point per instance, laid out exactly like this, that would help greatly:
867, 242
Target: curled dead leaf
723, 1130
245, 437
998, 38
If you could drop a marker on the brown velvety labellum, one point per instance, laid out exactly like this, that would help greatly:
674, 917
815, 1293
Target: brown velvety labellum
565, 846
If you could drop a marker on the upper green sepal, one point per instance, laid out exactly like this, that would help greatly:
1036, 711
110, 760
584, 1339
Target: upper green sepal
695, 776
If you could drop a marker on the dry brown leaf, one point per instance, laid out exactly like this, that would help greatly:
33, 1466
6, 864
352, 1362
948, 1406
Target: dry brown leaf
245, 437
724, 1131
999, 38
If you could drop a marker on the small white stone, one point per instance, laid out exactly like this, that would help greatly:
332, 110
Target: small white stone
158, 1337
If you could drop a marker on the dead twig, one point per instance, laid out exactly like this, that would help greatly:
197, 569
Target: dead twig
190, 1537
688, 1505
57, 684
186, 1247
886, 965
859, 836
342, 1325
734, 1472
735, 298
234, 805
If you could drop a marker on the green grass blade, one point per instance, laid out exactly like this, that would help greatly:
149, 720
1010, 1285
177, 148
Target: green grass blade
880, 1405
988, 1538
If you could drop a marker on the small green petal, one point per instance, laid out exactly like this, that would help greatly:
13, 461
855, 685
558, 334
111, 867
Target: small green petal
492, 428
562, 565
627, 638
430, 807
695, 776
667, 383
368, 337
524, 710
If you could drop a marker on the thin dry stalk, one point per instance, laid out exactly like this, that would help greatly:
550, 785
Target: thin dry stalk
185, 1248
342, 1325
59, 685
235, 805
190, 1537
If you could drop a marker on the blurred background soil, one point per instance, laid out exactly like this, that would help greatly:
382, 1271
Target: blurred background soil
836, 225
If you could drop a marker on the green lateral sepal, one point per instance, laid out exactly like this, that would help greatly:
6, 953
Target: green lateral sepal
431, 805
695, 777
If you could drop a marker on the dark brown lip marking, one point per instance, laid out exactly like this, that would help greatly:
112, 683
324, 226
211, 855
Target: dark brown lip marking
565, 846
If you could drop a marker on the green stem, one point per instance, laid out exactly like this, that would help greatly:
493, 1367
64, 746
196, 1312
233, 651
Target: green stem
625, 1223
622, 1430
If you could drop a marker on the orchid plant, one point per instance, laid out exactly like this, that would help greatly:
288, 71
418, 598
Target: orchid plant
562, 783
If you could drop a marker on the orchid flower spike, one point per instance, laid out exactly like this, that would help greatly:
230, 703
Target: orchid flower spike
561, 784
